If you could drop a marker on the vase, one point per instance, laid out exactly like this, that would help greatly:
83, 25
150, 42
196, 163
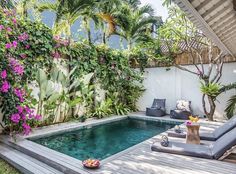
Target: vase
193, 134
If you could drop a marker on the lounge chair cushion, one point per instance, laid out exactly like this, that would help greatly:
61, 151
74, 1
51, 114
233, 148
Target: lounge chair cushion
207, 136
183, 105
224, 143
230, 124
159, 103
201, 151
156, 112
180, 114
203, 135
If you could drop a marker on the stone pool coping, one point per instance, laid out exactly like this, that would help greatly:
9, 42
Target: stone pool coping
64, 162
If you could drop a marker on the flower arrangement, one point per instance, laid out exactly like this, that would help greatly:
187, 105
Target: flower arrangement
192, 120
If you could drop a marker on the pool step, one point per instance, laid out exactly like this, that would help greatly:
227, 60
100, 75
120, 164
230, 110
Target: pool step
25, 163
56, 160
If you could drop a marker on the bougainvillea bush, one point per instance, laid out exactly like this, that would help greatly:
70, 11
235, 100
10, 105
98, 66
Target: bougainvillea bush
31, 56
23, 48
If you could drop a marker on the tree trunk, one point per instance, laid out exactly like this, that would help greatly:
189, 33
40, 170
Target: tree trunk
104, 38
89, 36
87, 28
212, 107
129, 44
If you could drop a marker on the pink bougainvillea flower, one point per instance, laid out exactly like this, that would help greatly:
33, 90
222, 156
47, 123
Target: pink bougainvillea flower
23, 37
38, 117
14, 43
14, 21
65, 42
26, 128
57, 38
15, 118
16, 67
1, 27
9, 29
20, 109
23, 116
8, 45
4, 74
20, 93
23, 56
5, 87
56, 55
27, 109
27, 47
188, 123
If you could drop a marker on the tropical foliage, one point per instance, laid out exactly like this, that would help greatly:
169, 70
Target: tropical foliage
47, 79
231, 106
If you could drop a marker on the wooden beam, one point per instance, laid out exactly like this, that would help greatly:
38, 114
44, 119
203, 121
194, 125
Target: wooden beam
203, 4
226, 8
226, 27
228, 32
234, 4
214, 7
226, 38
218, 27
188, 8
223, 18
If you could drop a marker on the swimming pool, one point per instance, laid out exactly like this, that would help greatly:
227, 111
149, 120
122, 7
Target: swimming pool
104, 140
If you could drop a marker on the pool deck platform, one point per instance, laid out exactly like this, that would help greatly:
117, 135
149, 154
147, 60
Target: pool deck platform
30, 157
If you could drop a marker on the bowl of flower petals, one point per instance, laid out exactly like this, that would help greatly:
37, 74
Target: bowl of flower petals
91, 163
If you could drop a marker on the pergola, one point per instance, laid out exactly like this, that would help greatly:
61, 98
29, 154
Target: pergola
216, 18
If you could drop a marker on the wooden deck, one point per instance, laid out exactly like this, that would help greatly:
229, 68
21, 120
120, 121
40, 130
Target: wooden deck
144, 161
138, 159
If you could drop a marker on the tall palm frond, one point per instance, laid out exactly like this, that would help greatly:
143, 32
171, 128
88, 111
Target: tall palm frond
135, 24
231, 107
7, 3
67, 12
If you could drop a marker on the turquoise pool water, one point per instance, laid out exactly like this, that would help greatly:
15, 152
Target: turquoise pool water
104, 140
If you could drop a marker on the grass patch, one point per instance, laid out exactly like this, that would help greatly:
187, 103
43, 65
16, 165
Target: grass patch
6, 168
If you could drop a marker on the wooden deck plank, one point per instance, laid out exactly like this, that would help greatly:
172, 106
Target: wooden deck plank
25, 163
51, 155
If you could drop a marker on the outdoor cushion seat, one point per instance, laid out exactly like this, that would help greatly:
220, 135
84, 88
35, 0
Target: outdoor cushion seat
212, 136
183, 149
213, 151
183, 110
157, 109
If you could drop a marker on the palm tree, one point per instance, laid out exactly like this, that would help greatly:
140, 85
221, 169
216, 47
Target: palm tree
67, 12
106, 12
134, 4
7, 4
135, 24
231, 106
100, 12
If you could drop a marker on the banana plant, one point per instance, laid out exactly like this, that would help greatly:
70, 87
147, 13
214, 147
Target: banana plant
56, 91
47, 92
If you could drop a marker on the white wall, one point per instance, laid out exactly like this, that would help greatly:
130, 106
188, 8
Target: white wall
177, 84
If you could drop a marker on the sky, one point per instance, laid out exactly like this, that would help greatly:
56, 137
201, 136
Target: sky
157, 6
